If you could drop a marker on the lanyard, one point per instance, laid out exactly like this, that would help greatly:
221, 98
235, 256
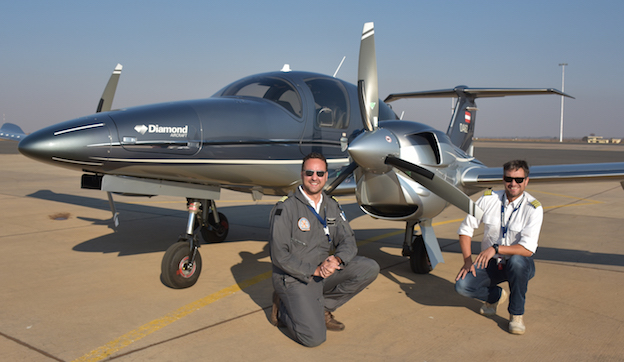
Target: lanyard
325, 228
505, 227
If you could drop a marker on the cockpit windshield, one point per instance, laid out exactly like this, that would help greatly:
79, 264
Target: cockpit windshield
269, 88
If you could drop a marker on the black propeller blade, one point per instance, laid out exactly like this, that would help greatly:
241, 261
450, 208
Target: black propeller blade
437, 185
341, 177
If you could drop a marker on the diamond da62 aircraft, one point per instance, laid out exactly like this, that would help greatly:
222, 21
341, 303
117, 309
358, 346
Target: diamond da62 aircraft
251, 136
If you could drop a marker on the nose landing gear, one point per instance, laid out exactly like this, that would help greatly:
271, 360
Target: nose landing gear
181, 265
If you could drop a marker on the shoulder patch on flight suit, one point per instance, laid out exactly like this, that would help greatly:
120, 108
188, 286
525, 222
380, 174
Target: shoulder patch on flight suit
488, 192
278, 210
535, 204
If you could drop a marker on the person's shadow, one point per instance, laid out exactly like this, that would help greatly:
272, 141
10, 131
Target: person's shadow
253, 277
431, 290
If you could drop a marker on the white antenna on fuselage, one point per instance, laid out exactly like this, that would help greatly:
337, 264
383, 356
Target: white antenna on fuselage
340, 65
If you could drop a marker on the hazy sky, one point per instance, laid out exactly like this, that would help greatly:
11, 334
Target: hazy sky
58, 55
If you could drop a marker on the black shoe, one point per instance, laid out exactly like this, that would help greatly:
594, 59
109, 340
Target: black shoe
331, 323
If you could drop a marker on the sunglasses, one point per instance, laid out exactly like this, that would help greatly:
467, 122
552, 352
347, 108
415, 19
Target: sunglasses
518, 180
309, 173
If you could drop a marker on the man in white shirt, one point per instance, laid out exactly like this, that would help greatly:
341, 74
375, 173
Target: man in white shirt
512, 219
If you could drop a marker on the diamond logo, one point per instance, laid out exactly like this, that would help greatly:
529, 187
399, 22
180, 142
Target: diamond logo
141, 129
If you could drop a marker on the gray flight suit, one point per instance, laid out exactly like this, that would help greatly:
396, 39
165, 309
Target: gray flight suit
299, 244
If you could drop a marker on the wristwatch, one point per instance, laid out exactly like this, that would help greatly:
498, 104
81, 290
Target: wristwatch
495, 246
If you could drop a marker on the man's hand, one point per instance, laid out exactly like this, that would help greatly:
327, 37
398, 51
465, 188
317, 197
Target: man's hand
327, 267
465, 243
484, 257
466, 269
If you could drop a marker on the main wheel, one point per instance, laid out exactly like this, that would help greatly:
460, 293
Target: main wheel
175, 269
419, 259
215, 233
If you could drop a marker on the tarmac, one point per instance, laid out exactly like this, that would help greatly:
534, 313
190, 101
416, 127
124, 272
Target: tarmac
74, 288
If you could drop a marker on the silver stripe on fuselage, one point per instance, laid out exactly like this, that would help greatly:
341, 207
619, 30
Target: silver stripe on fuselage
78, 128
222, 162
77, 162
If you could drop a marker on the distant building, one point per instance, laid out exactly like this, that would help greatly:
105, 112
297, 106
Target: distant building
600, 139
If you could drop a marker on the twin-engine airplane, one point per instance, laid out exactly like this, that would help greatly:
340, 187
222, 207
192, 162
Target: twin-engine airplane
251, 136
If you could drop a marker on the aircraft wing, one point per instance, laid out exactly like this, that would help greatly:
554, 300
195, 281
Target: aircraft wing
10, 131
474, 92
488, 176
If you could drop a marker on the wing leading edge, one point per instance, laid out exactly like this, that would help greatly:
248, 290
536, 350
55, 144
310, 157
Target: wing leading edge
486, 177
475, 93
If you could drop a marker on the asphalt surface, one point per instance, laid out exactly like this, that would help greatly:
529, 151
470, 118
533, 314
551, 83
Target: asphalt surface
74, 288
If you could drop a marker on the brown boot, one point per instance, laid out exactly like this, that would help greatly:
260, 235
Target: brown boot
331, 323
275, 309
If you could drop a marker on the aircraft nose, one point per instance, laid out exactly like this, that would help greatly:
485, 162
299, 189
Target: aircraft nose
83, 143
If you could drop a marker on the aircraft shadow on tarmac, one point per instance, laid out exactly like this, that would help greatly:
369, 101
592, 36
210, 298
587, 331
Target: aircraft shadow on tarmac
544, 253
147, 233
142, 230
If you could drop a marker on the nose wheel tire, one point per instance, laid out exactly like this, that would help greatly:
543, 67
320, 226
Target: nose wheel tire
419, 259
175, 268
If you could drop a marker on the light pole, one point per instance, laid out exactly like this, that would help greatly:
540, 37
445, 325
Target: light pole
562, 65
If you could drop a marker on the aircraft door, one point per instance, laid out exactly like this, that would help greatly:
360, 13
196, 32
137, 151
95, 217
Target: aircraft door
331, 115
168, 129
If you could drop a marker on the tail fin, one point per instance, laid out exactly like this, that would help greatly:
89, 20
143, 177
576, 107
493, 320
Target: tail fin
461, 128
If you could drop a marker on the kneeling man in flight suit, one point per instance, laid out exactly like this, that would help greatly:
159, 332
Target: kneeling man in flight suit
314, 254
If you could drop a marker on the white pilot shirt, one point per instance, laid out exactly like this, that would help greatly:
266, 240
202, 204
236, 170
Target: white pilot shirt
523, 225
315, 206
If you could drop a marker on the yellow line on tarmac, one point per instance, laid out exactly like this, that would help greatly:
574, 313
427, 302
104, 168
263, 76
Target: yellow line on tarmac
157, 324
153, 326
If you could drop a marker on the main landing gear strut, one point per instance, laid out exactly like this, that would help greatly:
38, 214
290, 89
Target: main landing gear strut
414, 248
182, 262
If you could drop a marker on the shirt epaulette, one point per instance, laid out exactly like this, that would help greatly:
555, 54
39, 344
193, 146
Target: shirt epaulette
535, 204
283, 199
488, 192
342, 214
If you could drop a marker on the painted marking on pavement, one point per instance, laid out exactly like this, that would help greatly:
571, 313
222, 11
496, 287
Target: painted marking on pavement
127, 339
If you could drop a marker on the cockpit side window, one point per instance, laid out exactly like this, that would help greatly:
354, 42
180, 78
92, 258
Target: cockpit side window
330, 100
272, 89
